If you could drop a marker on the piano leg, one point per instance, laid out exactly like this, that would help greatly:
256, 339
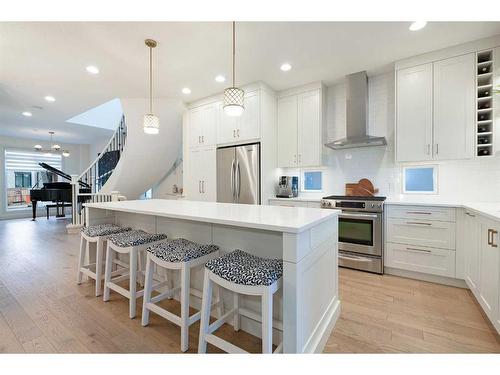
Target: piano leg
33, 206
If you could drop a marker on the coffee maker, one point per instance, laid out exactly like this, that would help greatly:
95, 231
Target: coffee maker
288, 187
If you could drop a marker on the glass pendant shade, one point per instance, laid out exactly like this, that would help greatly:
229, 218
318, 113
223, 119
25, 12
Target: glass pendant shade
65, 153
234, 101
151, 124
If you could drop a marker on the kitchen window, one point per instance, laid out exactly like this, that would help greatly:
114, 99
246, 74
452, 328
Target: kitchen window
420, 179
312, 181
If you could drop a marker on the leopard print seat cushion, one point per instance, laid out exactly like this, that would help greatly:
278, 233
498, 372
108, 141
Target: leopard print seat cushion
103, 230
180, 250
242, 268
135, 237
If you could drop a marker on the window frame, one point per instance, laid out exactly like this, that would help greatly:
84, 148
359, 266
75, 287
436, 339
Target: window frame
420, 166
303, 181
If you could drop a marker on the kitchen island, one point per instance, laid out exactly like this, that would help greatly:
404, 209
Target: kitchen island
305, 238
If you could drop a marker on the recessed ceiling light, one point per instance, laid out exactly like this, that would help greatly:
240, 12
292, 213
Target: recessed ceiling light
27, 114
50, 98
285, 67
417, 25
92, 69
220, 78
186, 90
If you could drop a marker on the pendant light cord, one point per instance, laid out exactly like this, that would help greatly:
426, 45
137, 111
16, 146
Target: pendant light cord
234, 28
150, 80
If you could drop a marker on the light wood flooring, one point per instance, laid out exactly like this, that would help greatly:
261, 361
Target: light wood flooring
43, 310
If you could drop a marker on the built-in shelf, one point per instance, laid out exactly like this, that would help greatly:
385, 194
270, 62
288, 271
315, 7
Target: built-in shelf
484, 103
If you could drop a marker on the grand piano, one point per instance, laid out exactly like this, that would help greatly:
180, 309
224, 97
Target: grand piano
58, 192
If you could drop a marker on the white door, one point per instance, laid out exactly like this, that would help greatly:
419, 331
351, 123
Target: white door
489, 281
309, 129
195, 174
414, 113
209, 125
287, 131
454, 106
208, 175
472, 242
226, 127
249, 124
195, 126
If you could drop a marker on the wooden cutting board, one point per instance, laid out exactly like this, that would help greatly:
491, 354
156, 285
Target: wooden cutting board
362, 188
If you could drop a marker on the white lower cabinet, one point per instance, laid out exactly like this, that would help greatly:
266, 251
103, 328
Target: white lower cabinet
202, 166
439, 234
472, 243
421, 259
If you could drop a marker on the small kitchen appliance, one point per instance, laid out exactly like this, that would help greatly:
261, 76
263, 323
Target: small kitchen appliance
288, 187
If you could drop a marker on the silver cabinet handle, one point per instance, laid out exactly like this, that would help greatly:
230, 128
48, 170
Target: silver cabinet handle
238, 133
300, 157
202, 139
419, 213
294, 159
356, 259
417, 223
203, 187
199, 186
234, 133
420, 250
437, 148
469, 214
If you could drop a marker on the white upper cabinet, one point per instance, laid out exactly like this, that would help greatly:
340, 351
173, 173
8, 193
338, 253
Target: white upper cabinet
300, 129
309, 129
414, 113
454, 93
435, 110
287, 131
202, 125
244, 128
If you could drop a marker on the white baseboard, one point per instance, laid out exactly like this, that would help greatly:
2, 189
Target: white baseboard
323, 330
426, 277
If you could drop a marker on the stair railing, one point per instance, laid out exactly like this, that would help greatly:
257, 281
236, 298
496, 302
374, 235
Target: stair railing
95, 180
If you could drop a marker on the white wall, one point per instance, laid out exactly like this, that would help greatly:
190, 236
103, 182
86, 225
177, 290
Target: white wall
476, 179
74, 164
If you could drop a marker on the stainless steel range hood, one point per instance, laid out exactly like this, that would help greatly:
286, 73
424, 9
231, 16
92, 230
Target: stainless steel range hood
357, 116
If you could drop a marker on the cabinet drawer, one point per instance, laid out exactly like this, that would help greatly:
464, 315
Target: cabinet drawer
420, 259
421, 233
422, 212
287, 203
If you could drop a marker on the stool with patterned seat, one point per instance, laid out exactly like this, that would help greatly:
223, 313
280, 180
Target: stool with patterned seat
97, 234
241, 273
182, 255
133, 243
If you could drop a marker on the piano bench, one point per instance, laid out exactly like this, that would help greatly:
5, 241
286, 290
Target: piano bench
57, 206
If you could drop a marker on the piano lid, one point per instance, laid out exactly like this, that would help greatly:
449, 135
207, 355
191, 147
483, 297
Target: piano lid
61, 173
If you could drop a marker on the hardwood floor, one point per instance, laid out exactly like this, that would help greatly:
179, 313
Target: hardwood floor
43, 310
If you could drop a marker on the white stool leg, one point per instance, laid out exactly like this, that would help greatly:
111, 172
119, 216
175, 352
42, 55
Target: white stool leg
236, 305
205, 313
107, 272
267, 322
81, 259
133, 283
140, 269
170, 280
220, 305
148, 284
98, 267
185, 291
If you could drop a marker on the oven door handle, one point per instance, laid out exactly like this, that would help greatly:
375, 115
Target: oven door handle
356, 259
361, 216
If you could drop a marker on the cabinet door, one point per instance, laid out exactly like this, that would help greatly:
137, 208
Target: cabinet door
489, 280
414, 113
208, 175
195, 174
287, 132
309, 129
472, 241
249, 124
454, 105
226, 127
195, 123
209, 125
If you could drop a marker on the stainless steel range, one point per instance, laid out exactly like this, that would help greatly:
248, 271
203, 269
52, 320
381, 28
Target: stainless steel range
361, 243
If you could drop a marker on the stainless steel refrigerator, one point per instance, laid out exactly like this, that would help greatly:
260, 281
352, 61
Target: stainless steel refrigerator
238, 174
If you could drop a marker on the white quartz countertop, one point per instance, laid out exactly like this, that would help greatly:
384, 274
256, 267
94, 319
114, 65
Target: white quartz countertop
274, 218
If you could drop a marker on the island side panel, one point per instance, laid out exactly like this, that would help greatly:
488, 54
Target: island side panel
310, 287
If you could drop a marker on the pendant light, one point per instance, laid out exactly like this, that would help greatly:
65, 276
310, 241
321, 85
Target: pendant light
233, 96
151, 122
53, 149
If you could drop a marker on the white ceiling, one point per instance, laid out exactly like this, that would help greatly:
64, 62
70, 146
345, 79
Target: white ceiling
45, 58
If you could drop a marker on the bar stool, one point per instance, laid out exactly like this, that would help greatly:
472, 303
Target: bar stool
183, 255
132, 243
95, 234
247, 274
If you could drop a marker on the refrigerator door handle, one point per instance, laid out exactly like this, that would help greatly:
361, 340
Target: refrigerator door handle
238, 181
232, 180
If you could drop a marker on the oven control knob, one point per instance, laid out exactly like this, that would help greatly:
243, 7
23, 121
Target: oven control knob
329, 204
372, 205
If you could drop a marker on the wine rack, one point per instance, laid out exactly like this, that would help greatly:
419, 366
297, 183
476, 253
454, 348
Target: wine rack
484, 104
